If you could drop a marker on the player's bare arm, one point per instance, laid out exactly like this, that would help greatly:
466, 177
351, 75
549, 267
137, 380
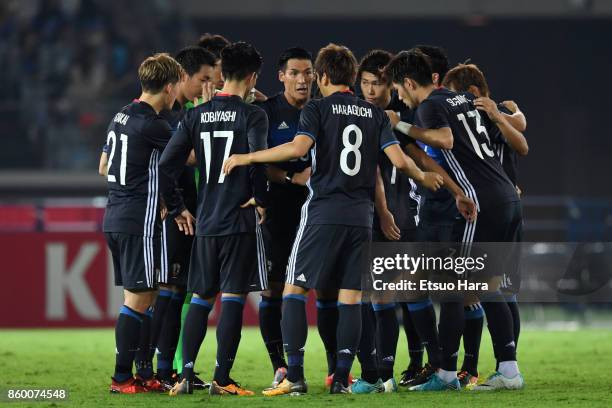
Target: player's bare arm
441, 138
103, 165
298, 147
515, 139
277, 175
517, 119
432, 181
465, 205
387, 222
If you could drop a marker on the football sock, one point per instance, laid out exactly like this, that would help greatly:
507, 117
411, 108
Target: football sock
127, 338
508, 368
228, 337
415, 346
159, 317
270, 327
348, 335
447, 376
387, 333
295, 330
168, 338
516, 317
366, 352
327, 322
499, 322
194, 331
472, 333
143, 358
424, 317
451, 328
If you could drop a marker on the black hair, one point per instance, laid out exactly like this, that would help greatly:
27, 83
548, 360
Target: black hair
293, 53
411, 64
192, 58
213, 43
375, 62
239, 60
437, 58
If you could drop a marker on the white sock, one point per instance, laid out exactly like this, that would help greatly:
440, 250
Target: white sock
447, 376
508, 369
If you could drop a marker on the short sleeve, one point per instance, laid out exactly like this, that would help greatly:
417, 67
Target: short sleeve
257, 130
310, 119
431, 115
105, 148
387, 137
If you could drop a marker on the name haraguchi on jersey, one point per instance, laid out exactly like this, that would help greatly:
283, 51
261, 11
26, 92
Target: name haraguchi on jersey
224, 126
472, 160
135, 139
348, 133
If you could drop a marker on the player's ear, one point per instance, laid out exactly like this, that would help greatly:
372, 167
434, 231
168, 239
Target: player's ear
435, 77
281, 75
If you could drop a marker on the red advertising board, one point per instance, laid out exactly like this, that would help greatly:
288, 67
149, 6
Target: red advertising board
66, 280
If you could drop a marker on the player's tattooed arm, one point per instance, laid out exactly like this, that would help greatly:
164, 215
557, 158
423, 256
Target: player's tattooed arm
517, 119
441, 138
387, 223
297, 148
406, 165
515, 139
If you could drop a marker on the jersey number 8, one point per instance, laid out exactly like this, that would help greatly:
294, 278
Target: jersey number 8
351, 148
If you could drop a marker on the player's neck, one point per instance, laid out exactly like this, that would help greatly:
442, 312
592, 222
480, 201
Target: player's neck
385, 103
332, 89
237, 88
424, 92
156, 101
182, 99
296, 103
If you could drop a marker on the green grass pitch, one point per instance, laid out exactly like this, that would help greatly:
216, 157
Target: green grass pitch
561, 369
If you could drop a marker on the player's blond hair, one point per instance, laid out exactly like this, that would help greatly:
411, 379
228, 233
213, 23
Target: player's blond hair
157, 71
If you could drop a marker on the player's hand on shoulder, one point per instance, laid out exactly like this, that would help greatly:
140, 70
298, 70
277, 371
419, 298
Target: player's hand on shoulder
393, 117
387, 224
511, 106
432, 180
235, 160
185, 222
302, 177
489, 106
466, 207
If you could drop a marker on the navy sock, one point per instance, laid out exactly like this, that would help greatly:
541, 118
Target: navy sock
499, 321
516, 317
168, 338
270, 327
295, 331
159, 316
366, 352
472, 333
143, 359
387, 332
348, 335
127, 338
424, 317
194, 331
451, 328
415, 346
327, 322
228, 337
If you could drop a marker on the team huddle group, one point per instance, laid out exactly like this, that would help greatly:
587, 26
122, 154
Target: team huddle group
215, 187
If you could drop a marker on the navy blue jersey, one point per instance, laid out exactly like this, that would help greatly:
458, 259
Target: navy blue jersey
285, 199
348, 133
400, 190
135, 139
473, 163
224, 126
187, 179
505, 152
283, 119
